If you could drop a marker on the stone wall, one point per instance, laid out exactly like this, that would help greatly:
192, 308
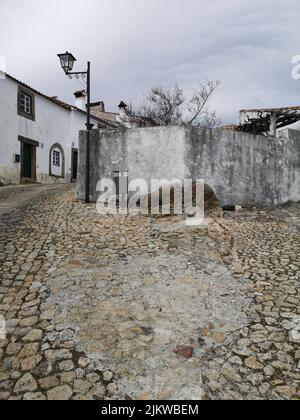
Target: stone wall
243, 169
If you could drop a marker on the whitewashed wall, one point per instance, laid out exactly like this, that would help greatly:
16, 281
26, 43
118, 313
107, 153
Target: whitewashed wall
53, 124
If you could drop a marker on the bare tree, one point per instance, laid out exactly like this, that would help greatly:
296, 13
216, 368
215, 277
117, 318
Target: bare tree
170, 106
163, 106
198, 112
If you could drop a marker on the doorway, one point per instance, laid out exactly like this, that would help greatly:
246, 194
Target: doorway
74, 165
28, 160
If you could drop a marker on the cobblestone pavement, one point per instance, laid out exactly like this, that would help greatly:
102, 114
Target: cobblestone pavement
13, 191
14, 196
137, 308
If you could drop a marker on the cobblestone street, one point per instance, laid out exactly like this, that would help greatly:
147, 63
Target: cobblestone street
147, 308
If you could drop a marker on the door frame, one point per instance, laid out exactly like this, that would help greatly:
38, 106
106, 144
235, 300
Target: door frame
72, 163
34, 144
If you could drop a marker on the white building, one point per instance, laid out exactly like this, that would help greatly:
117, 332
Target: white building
39, 134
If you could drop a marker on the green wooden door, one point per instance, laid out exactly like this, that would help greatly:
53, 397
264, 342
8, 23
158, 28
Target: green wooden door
27, 160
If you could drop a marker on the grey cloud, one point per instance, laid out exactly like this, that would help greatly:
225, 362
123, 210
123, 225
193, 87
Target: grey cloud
133, 44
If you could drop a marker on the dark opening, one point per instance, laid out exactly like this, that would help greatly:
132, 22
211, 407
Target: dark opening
74, 164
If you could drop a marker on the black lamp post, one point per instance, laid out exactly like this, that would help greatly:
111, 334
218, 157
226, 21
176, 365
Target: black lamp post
67, 61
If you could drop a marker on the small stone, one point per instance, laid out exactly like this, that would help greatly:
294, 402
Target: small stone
80, 373
212, 375
93, 378
3, 376
57, 355
13, 348
83, 362
185, 351
264, 388
6, 386
235, 360
4, 396
30, 396
112, 388
252, 363
29, 350
277, 337
34, 335
288, 325
243, 352
108, 376
255, 379
67, 378
286, 391
77, 263
11, 363
294, 337
26, 383
219, 337
15, 375
67, 335
3, 343
238, 268
29, 322
215, 386
269, 370
43, 369
48, 315
79, 397
48, 383
258, 337
81, 387
60, 393
66, 365
30, 363
230, 373
97, 392
279, 365
136, 330
206, 332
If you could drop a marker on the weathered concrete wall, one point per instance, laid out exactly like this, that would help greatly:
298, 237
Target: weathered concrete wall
246, 169
243, 169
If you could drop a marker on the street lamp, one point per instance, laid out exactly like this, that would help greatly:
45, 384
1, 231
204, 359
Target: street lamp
67, 61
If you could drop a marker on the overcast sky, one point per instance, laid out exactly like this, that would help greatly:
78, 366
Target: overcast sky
133, 44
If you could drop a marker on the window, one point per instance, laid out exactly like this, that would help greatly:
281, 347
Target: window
57, 161
26, 104
56, 158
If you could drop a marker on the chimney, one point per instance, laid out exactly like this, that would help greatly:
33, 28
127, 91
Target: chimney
122, 110
98, 106
101, 106
80, 99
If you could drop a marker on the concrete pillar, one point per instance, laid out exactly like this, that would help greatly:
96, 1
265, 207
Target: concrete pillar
273, 125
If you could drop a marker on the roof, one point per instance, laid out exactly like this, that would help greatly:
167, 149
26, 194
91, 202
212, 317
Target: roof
111, 117
229, 127
289, 108
60, 103
261, 122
